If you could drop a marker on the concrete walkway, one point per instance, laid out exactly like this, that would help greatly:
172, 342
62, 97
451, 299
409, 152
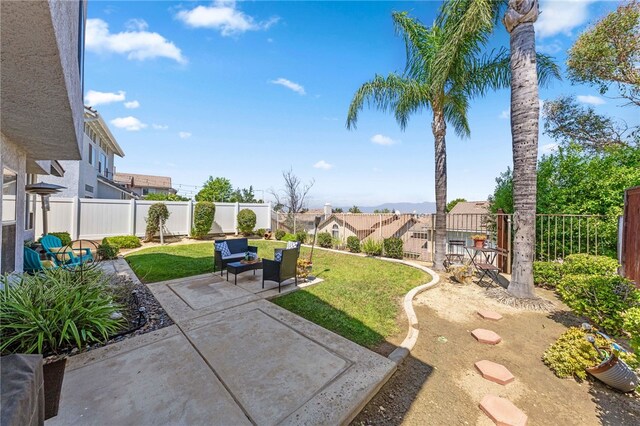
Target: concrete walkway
232, 358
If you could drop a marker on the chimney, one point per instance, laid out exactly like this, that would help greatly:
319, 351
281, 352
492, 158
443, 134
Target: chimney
327, 210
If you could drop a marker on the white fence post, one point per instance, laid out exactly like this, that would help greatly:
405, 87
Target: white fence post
269, 215
132, 217
189, 216
236, 210
75, 219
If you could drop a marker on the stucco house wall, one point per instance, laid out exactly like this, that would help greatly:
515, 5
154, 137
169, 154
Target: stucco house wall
14, 158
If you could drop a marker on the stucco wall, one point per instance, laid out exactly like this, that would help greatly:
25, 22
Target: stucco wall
14, 158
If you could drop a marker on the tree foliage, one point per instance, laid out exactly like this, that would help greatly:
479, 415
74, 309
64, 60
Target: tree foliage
218, 189
246, 221
609, 53
157, 216
203, 215
382, 211
354, 209
293, 197
337, 210
451, 204
165, 197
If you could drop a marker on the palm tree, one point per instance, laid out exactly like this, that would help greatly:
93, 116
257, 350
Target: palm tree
527, 69
446, 94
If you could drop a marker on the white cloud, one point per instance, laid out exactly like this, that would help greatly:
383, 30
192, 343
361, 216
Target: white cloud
94, 98
132, 104
160, 126
136, 25
383, 140
323, 165
558, 17
129, 123
505, 114
591, 100
550, 48
223, 16
184, 135
548, 148
289, 85
135, 42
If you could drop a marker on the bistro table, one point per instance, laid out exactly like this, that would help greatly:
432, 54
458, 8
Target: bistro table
485, 264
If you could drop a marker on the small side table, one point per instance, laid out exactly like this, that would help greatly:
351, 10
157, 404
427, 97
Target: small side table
239, 267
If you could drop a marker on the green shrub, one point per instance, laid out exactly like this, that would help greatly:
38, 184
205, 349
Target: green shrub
301, 236
353, 244
108, 251
393, 248
123, 241
65, 238
324, 240
547, 274
203, 214
261, 232
55, 310
371, 247
579, 264
631, 325
158, 212
600, 298
280, 233
246, 221
289, 237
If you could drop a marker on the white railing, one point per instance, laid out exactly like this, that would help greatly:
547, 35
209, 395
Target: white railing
92, 219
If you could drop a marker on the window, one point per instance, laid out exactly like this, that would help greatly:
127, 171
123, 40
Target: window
335, 231
30, 202
145, 191
91, 154
9, 193
102, 163
88, 188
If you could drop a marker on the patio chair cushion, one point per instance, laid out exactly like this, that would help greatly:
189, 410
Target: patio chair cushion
277, 255
234, 256
292, 244
223, 247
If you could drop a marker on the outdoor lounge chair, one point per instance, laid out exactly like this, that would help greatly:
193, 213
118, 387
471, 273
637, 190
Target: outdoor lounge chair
235, 251
64, 257
283, 267
33, 263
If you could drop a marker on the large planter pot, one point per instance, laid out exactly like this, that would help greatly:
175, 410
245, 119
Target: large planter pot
53, 373
615, 373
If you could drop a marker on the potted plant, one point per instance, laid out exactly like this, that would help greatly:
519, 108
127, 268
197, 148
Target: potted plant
52, 313
478, 240
304, 268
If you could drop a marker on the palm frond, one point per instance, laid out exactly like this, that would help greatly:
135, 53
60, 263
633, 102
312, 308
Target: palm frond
547, 69
455, 112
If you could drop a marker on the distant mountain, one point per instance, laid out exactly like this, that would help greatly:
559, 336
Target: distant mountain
425, 207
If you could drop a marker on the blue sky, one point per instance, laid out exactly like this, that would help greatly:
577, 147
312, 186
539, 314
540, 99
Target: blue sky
245, 90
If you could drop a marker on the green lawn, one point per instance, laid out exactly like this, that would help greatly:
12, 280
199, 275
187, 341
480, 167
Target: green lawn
359, 299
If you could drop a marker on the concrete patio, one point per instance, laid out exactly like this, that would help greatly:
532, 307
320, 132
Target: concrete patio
231, 358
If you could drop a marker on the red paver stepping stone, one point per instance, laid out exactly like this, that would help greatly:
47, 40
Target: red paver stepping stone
495, 372
490, 315
502, 411
486, 336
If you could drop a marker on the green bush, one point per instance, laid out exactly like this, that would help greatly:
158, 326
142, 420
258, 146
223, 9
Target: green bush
579, 264
55, 310
203, 214
158, 212
602, 299
280, 233
108, 251
393, 248
123, 241
353, 244
246, 221
289, 237
65, 238
261, 232
631, 325
301, 236
324, 240
572, 353
547, 274
371, 247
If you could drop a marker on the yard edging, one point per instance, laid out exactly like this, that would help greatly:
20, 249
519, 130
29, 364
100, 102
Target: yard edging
400, 353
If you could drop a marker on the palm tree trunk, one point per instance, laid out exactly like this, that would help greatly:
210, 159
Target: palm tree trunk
524, 132
439, 128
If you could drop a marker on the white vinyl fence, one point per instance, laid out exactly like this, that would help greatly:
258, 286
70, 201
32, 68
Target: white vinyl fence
93, 219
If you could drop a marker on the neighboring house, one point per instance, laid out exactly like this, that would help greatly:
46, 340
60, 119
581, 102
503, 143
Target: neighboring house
41, 83
143, 185
92, 176
366, 226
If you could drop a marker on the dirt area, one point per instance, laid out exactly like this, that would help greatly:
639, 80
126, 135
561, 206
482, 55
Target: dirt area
438, 383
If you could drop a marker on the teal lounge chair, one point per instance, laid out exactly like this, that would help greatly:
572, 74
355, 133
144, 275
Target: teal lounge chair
52, 246
33, 263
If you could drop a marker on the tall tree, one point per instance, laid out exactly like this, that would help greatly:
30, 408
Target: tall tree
218, 189
451, 204
444, 90
293, 197
609, 53
355, 209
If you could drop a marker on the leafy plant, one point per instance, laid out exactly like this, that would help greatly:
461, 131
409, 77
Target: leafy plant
246, 221
51, 312
353, 244
158, 213
479, 237
603, 299
301, 236
280, 233
547, 274
571, 354
371, 247
164, 197
123, 241
108, 251
589, 265
303, 268
325, 240
289, 237
203, 214
631, 325
393, 248
65, 238
261, 232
